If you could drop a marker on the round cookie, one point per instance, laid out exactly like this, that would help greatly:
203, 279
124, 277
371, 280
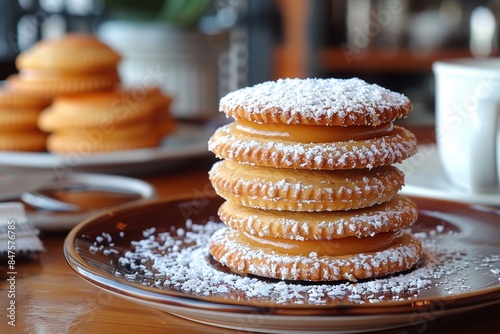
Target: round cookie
74, 53
30, 141
396, 252
14, 99
332, 102
102, 110
398, 213
392, 148
303, 190
93, 140
48, 84
18, 119
72, 64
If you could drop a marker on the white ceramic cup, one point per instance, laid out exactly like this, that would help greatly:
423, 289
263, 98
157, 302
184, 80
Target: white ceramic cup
468, 122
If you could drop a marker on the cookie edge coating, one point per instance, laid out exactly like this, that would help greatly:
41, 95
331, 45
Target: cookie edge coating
354, 223
244, 259
290, 193
386, 150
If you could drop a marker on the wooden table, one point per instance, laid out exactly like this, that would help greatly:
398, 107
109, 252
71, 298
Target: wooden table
51, 298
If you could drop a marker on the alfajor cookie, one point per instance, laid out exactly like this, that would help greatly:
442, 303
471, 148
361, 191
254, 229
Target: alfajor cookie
314, 124
304, 190
398, 213
241, 146
349, 258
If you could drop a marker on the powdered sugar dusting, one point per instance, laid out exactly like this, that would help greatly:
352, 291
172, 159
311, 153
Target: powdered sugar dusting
394, 215
229, 251
167, 261
346, 155
258, 187
320, 101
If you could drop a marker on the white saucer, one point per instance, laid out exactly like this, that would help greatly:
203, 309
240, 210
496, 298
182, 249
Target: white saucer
425, 177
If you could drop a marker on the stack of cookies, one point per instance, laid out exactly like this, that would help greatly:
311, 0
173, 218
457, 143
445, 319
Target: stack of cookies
107, 121
18, 122
90, 112
311, 193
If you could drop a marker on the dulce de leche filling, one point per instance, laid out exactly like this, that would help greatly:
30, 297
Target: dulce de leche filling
312, 133
334, 247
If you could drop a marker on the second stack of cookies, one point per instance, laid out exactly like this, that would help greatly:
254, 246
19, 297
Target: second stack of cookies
90, 110
311, 193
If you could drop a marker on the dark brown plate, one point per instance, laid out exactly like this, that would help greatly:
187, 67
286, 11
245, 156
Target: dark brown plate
467, 278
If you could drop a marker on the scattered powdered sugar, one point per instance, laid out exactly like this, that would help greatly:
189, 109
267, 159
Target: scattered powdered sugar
179, 260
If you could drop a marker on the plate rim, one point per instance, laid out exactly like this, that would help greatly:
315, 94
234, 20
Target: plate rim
105, 281
45, 160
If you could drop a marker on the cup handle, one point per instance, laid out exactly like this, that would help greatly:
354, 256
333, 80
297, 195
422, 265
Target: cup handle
484, 145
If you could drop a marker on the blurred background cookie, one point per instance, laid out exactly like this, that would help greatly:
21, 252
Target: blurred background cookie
107, 121
18, 121
74, 63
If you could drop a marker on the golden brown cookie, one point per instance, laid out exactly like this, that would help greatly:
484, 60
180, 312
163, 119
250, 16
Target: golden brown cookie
107, 121
350, 258
74, 63
23, 141
304, 190
333, 102
93, 140
14, 99
102, 110
49, 84
74, 53
13, 119
398, 213
391, 147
